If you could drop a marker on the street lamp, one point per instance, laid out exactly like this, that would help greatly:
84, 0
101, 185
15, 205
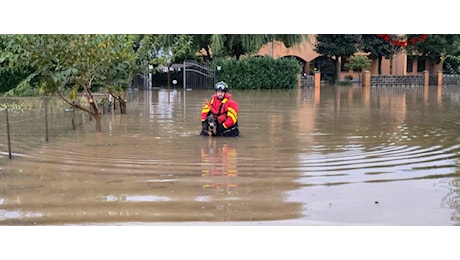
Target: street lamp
174, 82
217, 73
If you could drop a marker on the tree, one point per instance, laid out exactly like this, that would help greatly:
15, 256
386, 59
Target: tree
377, 47
336, 46
159, 51
238, 45
172, 49
435, 47
65, 64
358, 63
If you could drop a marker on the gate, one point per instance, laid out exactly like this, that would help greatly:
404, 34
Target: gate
199, 76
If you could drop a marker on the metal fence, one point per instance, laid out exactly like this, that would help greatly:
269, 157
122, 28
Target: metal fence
196, 75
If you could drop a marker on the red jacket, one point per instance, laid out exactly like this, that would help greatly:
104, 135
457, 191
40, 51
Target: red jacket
225, 110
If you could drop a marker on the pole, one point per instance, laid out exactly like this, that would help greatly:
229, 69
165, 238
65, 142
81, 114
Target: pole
46, 119
184, 83
184, 75
8, 132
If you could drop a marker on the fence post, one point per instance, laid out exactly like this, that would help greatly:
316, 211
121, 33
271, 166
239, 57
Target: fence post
185, 77
8, 131
317, 79
426, 78
46, 119
367, 79
439, 78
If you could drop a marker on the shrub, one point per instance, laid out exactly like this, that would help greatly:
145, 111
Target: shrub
259, 72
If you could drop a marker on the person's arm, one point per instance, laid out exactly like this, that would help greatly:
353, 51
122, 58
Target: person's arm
232, 115
204, 111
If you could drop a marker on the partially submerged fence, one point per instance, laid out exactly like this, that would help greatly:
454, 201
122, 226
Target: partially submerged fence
30, 121
307, 81
450, 79
422, 79
397, 80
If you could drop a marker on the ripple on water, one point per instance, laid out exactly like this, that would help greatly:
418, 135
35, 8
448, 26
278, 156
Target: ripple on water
382, 164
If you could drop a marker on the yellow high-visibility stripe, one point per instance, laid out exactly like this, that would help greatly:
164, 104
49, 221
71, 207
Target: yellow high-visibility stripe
232, 114
205, 109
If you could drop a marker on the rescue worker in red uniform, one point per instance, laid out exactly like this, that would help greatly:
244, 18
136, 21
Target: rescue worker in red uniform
224, 110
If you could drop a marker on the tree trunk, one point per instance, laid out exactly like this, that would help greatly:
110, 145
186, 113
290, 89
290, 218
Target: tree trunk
96, 112
121, 101
207, 58
391, 65
337, 73
98, 117
122, 106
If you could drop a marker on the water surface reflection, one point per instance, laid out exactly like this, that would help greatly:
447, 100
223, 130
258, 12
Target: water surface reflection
338, 156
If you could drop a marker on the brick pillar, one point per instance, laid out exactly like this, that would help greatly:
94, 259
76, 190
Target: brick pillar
317, 79
439, 78
367, 79
426, 78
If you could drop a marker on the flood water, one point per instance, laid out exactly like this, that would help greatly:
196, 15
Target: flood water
330, 156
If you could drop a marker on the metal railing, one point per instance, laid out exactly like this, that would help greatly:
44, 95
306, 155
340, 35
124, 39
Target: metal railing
199, 76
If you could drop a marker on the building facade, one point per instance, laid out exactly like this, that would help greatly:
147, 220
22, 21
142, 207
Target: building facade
401, 64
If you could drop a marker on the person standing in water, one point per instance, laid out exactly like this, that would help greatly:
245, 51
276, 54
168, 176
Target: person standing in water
224, 111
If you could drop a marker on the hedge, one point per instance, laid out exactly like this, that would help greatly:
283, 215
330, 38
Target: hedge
259, 72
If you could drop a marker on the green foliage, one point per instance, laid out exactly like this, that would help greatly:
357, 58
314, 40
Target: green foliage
347, 81
452, 64
259, 73
358, 63
63, 64
434, 46
240, 45
344, 82
378, 47
11, 107
9, 79
337, 45
57, 62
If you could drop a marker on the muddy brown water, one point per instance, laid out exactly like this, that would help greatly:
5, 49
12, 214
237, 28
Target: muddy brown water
330, 156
